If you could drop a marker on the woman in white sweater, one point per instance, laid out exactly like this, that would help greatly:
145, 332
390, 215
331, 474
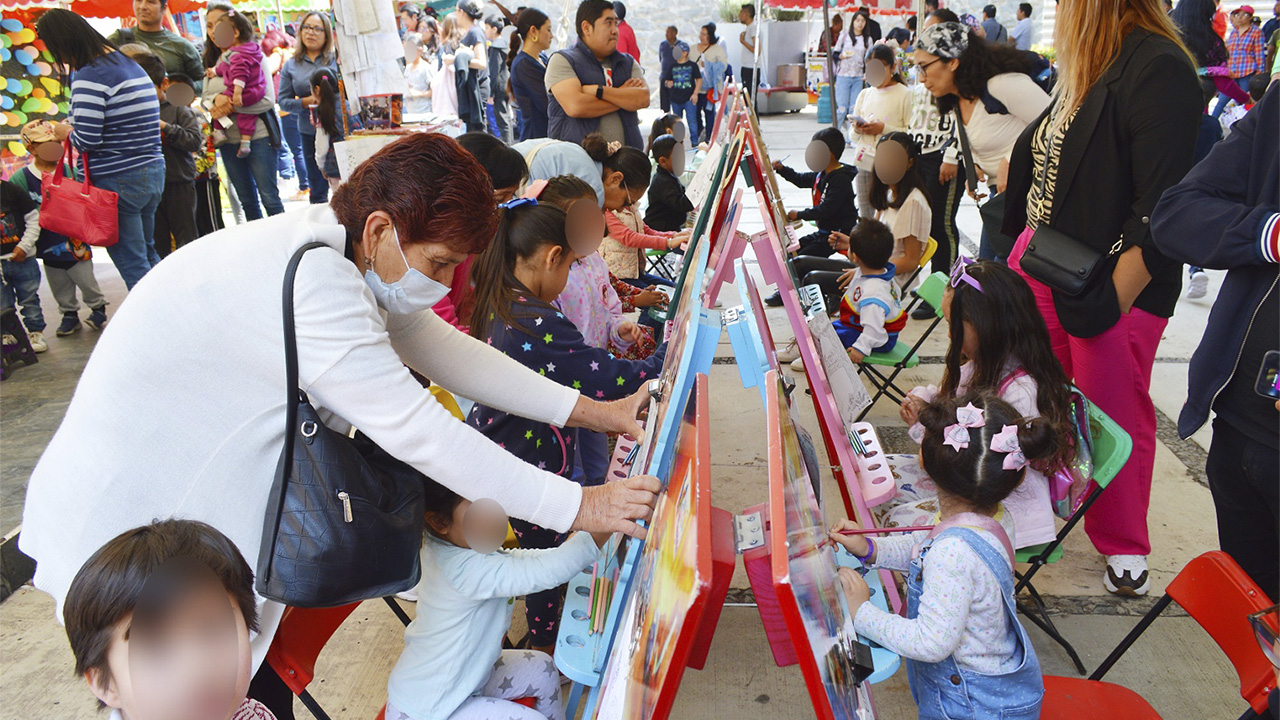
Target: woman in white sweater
200, 438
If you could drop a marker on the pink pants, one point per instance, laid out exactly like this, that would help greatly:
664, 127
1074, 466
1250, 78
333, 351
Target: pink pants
1114, 371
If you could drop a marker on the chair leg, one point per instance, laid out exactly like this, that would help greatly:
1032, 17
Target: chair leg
1132, 637
313, 706
575, 697
399, 611
1038, 614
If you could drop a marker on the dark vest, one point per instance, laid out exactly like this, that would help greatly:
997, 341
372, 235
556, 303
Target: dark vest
590, 72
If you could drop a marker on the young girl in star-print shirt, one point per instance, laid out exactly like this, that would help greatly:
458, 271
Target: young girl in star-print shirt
516, 280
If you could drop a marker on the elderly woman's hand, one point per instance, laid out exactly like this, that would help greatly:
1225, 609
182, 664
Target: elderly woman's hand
615, 506
619, 416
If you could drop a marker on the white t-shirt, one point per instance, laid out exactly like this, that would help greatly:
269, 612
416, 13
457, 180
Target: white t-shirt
753, 33
992, 137
890, 105
913, 219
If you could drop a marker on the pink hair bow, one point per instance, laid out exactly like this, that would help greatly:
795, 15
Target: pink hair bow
956, 435
1006, 441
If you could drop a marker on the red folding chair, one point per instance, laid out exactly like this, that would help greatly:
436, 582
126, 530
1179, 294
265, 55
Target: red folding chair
1068, 698
1219, 596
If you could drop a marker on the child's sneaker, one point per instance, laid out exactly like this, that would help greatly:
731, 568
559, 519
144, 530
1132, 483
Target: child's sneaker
97, 318
219, 137
38, 343
1127, 575
243, 152
70, 324
790, 352
1198, 287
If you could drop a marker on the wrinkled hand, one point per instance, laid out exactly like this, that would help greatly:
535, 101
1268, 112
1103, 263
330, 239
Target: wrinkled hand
947, 173
856, 356
856, 544
910, 409
846, 277
855, 589
618, 416
839, 241
615, 506
630, 332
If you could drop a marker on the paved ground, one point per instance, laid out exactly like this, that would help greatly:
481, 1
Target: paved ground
1176, 666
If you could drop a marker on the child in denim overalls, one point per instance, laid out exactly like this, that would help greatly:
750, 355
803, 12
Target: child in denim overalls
968, 657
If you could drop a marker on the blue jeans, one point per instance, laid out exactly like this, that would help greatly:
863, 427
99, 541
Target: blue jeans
254, 177
294, 138
847, 89
139, 191
689, 111
319, 184
22, 285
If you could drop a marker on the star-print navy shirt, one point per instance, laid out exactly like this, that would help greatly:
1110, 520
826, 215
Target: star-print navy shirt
553, 347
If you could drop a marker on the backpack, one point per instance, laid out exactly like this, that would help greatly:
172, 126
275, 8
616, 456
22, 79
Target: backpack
1041, 72
1068, 484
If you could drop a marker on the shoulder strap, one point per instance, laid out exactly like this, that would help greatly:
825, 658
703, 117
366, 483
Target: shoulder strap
982, 522
1008, 380
528, 160
291, 339
971, 170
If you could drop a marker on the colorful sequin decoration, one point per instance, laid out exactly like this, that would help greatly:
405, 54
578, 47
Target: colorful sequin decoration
29, 88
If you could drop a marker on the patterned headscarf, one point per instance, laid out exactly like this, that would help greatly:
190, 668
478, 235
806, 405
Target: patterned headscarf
947, 40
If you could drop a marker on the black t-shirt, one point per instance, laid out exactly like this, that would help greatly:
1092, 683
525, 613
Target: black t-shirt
683, 78
15, 203
1239, 404
475, 39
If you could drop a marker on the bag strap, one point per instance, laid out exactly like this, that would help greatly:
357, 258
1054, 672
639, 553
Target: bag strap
971, 174
1008, 380
291, 339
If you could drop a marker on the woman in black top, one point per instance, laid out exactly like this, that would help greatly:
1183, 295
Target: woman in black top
528, 72
1121, 131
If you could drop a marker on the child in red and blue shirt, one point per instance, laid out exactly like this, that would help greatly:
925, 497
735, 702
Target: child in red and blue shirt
871, 314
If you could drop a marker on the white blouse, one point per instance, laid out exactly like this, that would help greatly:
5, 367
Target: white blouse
913, 219
992, 136
180, 411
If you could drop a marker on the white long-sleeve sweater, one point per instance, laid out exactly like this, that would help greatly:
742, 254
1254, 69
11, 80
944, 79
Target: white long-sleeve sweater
180, 411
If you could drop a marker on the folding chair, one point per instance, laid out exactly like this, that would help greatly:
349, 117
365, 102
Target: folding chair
656, 264
1111, 448
1079, 699
302, 633
900, 357
1219, 596
930, 248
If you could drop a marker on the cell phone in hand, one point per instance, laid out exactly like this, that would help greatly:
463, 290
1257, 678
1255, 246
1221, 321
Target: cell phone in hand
858, 120
1268, 384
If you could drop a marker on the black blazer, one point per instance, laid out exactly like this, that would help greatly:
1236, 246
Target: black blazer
1133, 138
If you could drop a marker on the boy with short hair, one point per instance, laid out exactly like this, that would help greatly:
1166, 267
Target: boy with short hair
683, 81
19, 230
144, 601
669, 206
181, 137
68, 263
831, 182
871, 313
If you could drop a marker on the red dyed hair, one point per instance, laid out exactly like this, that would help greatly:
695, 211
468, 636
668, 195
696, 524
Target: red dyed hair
433, 190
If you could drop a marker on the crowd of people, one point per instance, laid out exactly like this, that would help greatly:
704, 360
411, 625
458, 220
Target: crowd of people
506, 272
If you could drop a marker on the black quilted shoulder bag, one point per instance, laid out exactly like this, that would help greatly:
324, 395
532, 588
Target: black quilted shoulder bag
344, 520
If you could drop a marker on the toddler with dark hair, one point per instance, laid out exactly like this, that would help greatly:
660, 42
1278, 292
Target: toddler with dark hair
669, 206
159, 621
871, 313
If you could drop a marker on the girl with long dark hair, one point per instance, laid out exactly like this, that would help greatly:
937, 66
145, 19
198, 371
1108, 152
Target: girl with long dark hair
531, 39
897, 193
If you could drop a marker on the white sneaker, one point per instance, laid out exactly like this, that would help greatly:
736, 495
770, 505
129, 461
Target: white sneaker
789, 353
37, 341
1199, 285
1127, 575
409, 595
797, 365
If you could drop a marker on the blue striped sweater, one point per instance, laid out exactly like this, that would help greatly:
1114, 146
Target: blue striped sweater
115, 115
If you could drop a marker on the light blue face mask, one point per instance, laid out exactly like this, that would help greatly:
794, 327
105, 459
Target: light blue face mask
412, 293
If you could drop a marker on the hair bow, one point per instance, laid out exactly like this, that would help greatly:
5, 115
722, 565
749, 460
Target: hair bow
1006, 441
956, 435
613, 147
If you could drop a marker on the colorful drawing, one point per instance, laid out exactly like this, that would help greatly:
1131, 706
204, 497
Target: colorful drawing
671, 582
804, 571
30, 88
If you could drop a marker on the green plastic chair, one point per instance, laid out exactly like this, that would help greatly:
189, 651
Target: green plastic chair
900, 357
1111, 449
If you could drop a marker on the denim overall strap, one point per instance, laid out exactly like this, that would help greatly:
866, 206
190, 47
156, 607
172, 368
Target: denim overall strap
945, 691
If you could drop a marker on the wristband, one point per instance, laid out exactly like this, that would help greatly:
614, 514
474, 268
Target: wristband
871, 550
600, 92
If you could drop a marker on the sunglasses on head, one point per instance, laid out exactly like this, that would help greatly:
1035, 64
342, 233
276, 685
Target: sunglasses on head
1265, 633
960, 274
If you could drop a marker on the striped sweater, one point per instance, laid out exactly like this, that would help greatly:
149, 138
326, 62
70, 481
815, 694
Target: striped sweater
115, 114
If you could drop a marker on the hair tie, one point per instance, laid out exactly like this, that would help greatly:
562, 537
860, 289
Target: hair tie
613, 147
517, 202
1006, 441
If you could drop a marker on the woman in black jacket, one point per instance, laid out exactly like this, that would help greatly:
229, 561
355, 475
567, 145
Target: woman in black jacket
1121, 130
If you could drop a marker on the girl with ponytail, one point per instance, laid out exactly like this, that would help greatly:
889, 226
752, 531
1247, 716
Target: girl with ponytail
531, 39
326, 116
516, 279
965, 649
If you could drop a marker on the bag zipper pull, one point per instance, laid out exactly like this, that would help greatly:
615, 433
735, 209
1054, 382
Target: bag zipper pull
346, 506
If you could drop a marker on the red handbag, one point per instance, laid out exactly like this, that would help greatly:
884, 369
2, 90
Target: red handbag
78, 209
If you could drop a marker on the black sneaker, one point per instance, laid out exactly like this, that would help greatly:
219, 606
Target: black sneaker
98, 318
924, 311
774, 300
70, 324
